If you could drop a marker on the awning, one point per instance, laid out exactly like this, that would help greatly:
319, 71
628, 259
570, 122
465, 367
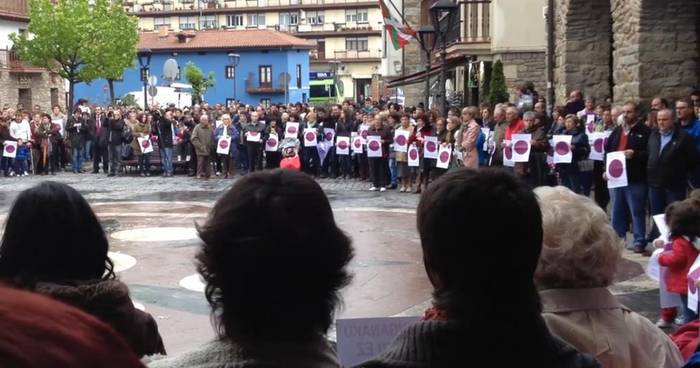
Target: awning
422, 75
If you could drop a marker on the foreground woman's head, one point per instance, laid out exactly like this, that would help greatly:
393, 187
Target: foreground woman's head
52, 234
273, 258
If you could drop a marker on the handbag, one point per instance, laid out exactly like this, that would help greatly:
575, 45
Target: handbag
127, 135
126, 151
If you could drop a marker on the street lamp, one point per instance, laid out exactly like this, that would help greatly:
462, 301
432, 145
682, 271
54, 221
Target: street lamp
443, 17
233, 60
426, 36
144, 56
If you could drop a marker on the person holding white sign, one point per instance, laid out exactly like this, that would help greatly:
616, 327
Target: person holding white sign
202, 140
422, 130
344, 127
273, 154
227, 151
142, 130
403, 171
253, 136
467, 138
77, 134
456, 329
631, 138
379, 165
310, 160
571, 174
573, 276
248, 273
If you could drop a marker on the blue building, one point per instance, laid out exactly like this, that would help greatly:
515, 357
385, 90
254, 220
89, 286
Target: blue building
267, 58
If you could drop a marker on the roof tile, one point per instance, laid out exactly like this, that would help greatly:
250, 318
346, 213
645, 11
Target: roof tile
223, 39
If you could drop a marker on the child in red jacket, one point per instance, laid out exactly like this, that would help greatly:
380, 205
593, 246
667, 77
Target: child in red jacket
683, 219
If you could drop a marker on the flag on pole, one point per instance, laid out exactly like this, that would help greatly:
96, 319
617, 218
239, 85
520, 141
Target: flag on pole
400, 34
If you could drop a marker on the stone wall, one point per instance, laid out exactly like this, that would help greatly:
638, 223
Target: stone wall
520, 67
39, 83
413, 55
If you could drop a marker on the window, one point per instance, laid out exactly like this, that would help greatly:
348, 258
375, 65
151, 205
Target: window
230, 72
161, 21
255, 20
298, 75
289, 19
314, 17
265, 102
356, 44
265, 75
188, 22
356, 15
234, 20
207, 22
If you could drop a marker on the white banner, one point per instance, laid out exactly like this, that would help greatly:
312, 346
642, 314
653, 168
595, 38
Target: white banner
272, 143
357, 143
328, 134
487, 135
616, 169
562, 149
521, 147
413, 156
342, 146
291, 130
253, 137
9, 149
444, 155
363, 131
145, 143
401, 141
430, 147
597, 141
310, 137
590, 123
223, 146
374, 146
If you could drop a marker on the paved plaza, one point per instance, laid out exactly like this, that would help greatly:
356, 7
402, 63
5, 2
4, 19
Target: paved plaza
150, 222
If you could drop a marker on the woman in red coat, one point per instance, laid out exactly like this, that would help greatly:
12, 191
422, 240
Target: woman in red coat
683, 219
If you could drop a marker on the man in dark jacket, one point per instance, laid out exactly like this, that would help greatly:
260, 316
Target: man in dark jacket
165, 141
253, 135
632, 138
77, 132
114, 141
98, 127
672, 157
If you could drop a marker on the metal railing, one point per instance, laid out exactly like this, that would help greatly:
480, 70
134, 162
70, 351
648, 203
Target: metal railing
9, 59
183, 5
345, 55
476, 21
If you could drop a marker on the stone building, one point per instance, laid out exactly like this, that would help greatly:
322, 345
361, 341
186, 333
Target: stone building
22, 83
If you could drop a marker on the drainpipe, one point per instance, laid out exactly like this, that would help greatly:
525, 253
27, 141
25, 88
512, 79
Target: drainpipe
550, 57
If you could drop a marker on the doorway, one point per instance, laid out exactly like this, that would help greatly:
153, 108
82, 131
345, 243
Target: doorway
25, 97
363, 89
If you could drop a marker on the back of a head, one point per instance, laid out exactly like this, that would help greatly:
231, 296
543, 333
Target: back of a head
52, 234
481, 233
38, 332
273, 258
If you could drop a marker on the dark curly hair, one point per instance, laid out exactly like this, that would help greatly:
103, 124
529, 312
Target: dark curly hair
683, 218
273, 259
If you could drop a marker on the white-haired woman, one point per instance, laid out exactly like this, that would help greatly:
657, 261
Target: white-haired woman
579, 258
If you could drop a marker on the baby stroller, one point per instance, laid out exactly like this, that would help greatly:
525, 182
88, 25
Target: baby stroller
290, 154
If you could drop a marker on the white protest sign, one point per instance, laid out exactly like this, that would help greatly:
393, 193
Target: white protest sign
562, 149
363, 131
291, 130
310, 137
413, 156
145, 143
374, 146
253, 136
9, 149
361, 339
328, 134
660, 221
223, 146
272, 143
656, 273
218, 123
444, 155
590, 123
521, 147
401, 140
508, 154
430, 147
60, 123
653, 268
342, 146
616, 169
693, 276
597, 141
487, 135
357, 143
77, 126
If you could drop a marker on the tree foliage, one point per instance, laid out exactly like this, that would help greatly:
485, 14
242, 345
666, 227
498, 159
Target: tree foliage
498, 91
195, 77
80, 40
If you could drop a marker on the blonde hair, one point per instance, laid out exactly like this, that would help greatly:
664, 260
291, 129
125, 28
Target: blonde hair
580, 249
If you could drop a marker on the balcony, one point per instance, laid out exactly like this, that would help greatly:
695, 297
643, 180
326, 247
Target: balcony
9, 60
14, 10
254, 87
347, 56
182, 7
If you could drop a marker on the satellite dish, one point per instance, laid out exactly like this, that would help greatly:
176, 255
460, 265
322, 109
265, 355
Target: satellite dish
170, 70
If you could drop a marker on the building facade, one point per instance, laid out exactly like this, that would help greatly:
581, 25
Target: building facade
273, 66
22, 83
348, 34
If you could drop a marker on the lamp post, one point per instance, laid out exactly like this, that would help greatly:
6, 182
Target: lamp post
443, 16
233, 60
426, 37
144, 56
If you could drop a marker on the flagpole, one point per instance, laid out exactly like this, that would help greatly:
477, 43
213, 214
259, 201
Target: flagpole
403, 19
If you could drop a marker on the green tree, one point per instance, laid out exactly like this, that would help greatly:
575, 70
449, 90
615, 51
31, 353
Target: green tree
200, 84
128, 100
80, 40
497, 89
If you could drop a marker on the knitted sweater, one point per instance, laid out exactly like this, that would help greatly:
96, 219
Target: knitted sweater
225, 354
437, 344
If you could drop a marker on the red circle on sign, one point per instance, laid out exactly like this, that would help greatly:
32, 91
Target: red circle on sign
615, 168
223, 144
374, 145
254, 134
598, 145
508, 152
400, 140
9, 148
364, 134
431, 146
342, 145
413, 154
310, 136
329, 136
520, 147
272, 142
444, 156
358, 143
562, 148
146, 143
292, 130
591, 127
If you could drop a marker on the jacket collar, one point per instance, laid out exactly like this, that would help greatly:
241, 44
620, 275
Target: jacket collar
573, 300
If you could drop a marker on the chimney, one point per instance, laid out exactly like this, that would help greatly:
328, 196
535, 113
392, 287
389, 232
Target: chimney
163, 32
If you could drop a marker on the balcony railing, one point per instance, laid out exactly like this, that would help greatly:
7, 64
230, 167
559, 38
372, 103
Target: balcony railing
476, 21
189, 5
345, 55
18, 7
10, 60
253, 86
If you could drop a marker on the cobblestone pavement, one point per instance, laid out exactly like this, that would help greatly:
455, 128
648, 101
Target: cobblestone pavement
382, 226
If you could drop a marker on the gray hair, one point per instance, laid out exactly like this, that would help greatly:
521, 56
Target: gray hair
529, 115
